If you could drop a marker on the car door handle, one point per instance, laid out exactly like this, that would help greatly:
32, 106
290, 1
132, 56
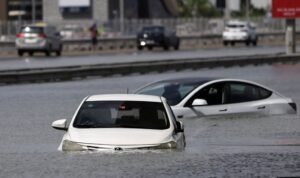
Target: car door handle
262, 107
223, 110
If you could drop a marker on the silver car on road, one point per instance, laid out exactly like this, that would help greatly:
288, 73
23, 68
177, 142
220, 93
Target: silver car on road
38, 38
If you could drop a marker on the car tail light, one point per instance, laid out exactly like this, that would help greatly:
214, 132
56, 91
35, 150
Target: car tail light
20, 35
293, 105
42, 35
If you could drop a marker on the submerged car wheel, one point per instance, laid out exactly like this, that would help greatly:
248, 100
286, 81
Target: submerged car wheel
225, 43
150, 47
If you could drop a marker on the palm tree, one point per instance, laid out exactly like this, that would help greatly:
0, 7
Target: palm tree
196, 8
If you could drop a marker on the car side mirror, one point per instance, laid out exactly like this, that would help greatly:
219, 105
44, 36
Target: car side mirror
199, 102
180, 126
60, 124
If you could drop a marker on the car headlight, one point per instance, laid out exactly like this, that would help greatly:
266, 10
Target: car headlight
71, 146
168, 145
143, 43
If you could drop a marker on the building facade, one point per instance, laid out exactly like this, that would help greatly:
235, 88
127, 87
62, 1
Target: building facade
12, 10
105, 10
74, 10
3, 10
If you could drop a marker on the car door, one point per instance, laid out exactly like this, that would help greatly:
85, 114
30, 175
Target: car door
214, 95
245, 98
225, 98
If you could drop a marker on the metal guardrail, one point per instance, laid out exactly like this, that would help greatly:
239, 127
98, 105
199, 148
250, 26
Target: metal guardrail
104, 70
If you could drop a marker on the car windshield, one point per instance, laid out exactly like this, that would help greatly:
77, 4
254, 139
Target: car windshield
174, 92
122, 114
32, 30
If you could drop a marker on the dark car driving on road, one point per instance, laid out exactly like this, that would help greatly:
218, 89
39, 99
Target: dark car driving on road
157, 36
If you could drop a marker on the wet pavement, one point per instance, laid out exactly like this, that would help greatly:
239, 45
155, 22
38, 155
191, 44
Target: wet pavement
216, 147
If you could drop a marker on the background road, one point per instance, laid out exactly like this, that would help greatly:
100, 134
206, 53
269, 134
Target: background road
216, 147
41, 61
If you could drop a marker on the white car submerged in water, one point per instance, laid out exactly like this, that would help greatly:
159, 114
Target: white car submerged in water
120, 122
198, 97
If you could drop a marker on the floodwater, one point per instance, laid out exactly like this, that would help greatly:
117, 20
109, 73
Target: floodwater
216, 147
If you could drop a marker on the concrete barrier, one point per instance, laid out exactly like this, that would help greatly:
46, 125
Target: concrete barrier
104, 70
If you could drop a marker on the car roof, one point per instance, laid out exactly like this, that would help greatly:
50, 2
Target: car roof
198, 80
124, 97
237, 22
40, 25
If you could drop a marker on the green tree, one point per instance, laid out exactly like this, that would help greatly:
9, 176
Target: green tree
197, 8
253, 11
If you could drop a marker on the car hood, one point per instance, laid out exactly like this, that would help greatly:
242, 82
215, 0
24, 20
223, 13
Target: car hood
120, 136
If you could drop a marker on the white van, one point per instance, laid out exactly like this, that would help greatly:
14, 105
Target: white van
38, 38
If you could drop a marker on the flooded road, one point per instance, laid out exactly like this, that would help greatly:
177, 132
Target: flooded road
216, 147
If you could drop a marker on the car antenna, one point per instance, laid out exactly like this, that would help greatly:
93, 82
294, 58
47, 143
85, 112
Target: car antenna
127, 90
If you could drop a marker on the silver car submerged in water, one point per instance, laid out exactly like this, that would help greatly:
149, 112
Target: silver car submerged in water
198, 97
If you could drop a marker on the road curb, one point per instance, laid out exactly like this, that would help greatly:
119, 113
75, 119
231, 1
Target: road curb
53, 74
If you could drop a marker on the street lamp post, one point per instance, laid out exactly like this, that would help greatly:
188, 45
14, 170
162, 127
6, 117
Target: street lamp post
33, 12
121, 6
227, 12
247, 9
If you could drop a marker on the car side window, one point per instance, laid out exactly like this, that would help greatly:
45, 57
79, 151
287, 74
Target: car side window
242, 92
213, 94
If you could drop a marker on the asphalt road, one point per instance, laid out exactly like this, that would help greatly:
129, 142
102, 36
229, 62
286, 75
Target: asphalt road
216, 147
41, 61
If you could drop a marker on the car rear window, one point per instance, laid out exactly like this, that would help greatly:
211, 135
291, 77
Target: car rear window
122, 114
28, 29
235, 26
153, 29
174, 92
